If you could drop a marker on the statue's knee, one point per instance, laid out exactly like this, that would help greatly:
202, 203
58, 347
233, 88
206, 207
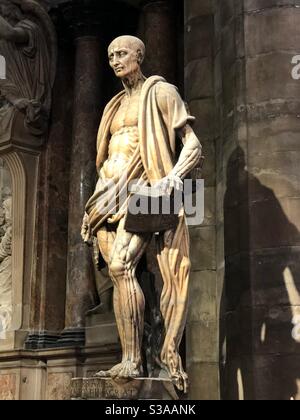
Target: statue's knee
117, 269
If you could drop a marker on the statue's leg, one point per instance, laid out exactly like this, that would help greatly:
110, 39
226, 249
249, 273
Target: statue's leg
129, 303
106, 240
174, 262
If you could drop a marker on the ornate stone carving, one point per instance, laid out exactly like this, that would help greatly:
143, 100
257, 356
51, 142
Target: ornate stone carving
6, 307
137, 142
28, 44
108, 389
16, 170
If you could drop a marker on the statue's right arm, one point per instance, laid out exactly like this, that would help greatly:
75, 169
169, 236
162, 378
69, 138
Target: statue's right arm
9, 33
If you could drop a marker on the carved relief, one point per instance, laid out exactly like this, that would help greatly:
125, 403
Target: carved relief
5, 249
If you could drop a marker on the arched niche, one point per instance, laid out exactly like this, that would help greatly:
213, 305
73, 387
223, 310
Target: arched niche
13, 178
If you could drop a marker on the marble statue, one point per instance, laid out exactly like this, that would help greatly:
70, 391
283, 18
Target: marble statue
137, 140
5, 266
28, 44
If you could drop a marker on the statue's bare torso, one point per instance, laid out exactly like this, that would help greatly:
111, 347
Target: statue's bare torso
124, 137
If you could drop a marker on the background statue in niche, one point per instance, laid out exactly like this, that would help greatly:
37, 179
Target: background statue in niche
5, 265
28, 43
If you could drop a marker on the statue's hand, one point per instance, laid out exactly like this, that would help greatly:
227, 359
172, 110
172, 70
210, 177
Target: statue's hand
167, 184
86, 232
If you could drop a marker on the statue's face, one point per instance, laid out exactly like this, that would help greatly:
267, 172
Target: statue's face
123, 58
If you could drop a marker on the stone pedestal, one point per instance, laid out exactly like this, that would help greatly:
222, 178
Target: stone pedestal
136, 389
101, 329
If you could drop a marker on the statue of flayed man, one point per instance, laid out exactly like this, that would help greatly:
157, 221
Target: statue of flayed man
28, 44
137, 141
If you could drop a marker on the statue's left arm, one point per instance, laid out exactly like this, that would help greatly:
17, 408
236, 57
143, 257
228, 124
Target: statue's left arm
177, 117
190, 155
12, 34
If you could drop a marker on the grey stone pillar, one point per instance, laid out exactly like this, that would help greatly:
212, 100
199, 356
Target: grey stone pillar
202, 326
260, 150
86, 118
159, 32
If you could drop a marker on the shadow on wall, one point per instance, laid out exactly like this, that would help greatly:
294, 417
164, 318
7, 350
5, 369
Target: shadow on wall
260, 306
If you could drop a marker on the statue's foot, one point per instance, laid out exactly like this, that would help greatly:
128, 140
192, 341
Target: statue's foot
103, 374
124, 370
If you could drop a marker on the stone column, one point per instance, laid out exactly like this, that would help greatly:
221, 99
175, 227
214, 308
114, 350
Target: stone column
86, 118
260, 149
202, 326
159, 32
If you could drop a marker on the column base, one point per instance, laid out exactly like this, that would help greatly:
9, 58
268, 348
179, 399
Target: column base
42, 340
135, 389
72, 337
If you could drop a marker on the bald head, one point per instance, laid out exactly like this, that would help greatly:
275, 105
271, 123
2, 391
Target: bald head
126, 54
131, 42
